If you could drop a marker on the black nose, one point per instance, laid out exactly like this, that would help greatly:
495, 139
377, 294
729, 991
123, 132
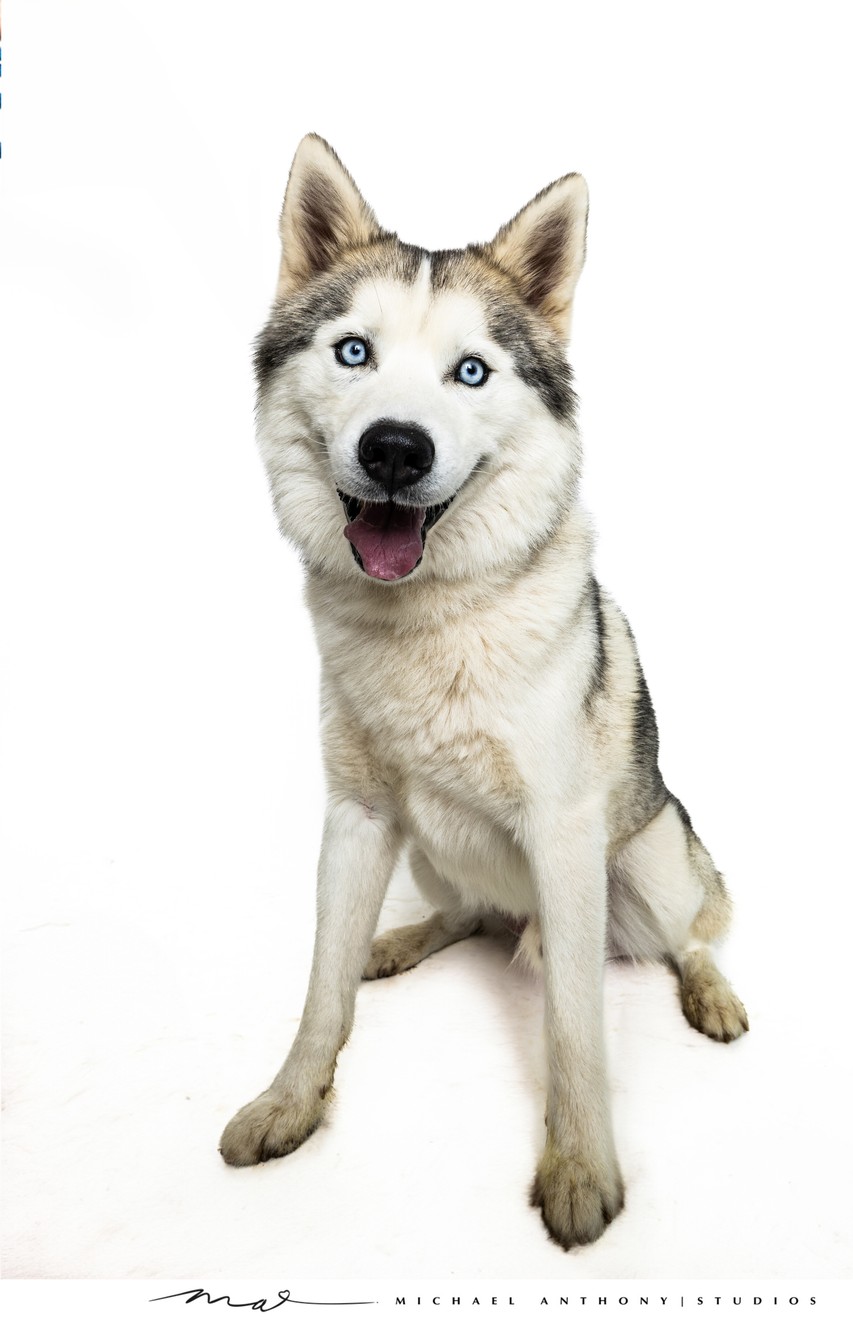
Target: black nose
395, 454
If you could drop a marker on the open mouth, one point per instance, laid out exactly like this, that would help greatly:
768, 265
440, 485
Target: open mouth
387, 540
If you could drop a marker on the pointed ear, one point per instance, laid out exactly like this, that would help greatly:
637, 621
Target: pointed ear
543, 249
323, 215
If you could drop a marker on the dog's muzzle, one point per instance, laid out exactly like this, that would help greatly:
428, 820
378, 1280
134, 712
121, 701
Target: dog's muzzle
387, 537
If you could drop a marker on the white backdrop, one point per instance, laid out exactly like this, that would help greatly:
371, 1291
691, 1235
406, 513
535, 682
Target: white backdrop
162, 787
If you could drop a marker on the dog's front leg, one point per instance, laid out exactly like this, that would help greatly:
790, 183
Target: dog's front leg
578, 1185
360, 847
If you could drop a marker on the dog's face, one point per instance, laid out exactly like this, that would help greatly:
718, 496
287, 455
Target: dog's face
405, 393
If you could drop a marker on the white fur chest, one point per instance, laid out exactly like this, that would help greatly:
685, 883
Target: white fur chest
435, 706
447, 723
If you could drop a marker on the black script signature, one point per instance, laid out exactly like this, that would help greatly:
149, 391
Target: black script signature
259, 1304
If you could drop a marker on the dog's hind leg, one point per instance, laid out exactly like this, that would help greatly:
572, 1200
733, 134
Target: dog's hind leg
668, 901
398, 950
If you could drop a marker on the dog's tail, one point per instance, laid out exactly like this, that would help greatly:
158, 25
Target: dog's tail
528, 951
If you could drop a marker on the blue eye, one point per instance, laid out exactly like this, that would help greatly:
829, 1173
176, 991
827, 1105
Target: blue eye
352, 352
472, 371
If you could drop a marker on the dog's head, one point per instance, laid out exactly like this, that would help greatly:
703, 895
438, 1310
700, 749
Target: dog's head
403, 393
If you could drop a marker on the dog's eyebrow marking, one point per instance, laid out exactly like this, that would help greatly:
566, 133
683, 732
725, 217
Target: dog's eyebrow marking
537, 357
539, 362
294, 321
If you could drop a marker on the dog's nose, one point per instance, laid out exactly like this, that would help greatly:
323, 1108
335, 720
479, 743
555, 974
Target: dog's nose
395, 454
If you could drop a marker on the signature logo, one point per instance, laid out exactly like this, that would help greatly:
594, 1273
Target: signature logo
259, 1304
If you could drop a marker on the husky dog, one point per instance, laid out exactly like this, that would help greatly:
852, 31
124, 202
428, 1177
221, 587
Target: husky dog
482, 701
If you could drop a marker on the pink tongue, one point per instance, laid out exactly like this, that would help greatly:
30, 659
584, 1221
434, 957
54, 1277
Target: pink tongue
388, 539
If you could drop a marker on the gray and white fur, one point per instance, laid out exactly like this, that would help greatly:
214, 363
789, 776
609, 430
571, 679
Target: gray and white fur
483, 706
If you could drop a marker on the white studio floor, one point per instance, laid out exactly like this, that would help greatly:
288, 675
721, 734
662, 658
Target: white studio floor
134, 1036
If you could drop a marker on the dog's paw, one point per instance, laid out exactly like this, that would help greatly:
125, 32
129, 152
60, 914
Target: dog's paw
398, 950
711, 1006
578, 1199
388, 956
271, 1125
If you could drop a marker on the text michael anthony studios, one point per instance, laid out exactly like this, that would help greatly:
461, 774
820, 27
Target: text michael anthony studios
645, 1303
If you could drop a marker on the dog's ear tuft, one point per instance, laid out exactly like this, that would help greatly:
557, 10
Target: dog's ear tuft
543, 249
323, 215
